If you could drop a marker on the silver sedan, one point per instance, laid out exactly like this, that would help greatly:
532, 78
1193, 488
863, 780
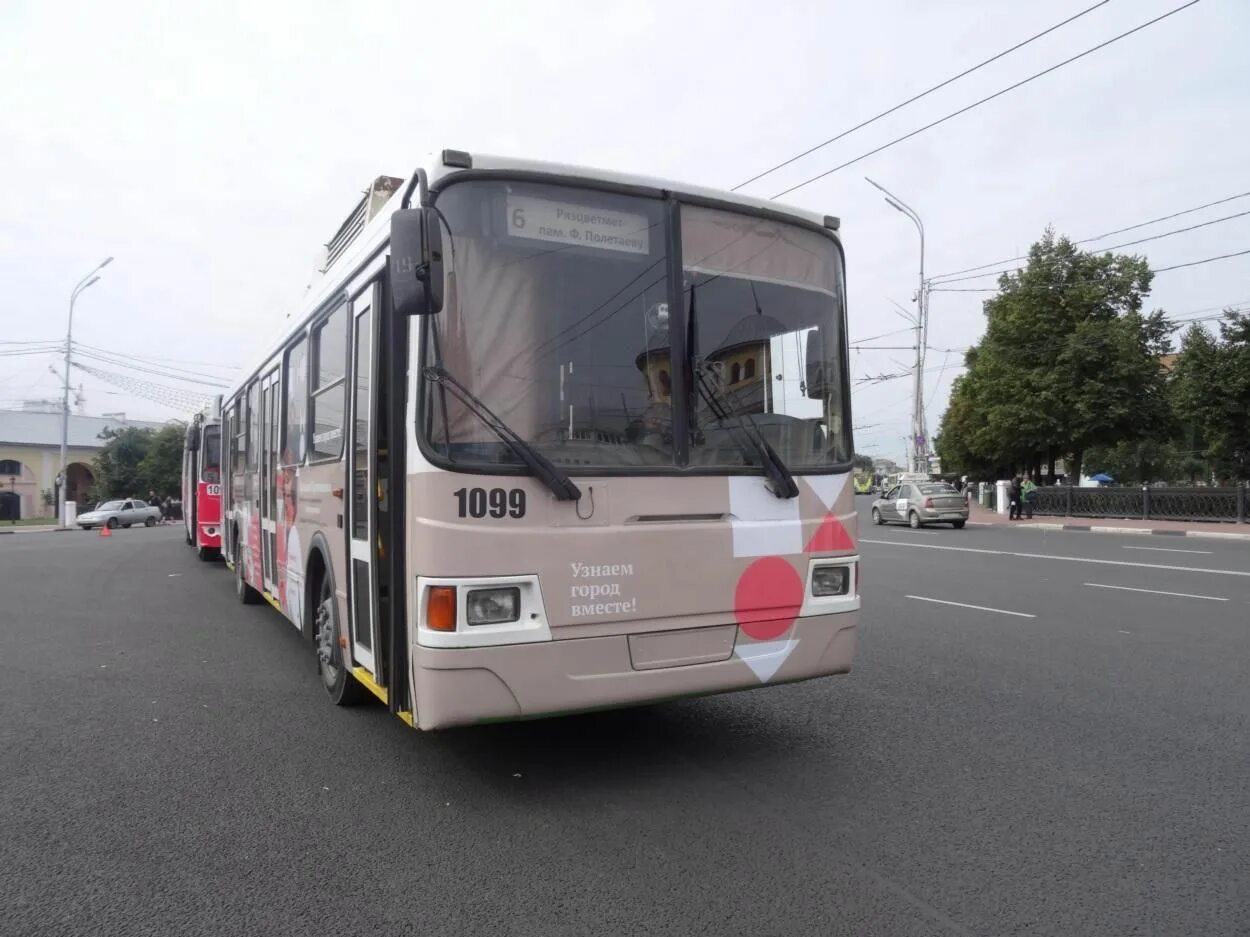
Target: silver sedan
114, 514
920, 503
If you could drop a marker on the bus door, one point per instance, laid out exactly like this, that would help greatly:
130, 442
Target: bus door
269, 412
362, 444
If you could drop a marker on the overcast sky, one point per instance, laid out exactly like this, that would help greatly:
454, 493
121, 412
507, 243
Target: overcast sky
213, 150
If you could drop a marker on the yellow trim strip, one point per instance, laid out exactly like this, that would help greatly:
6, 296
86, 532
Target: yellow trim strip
229, 566
407, 717
367, 679
272, 601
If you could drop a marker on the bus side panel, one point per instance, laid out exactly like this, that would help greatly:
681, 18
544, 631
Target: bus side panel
308, 506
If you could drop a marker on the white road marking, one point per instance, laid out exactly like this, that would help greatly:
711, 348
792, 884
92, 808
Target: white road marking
1169, 550
1179, 595
979, 608
1069, 559
1122, 631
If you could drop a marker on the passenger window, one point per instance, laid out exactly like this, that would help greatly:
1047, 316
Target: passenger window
294, 444
329, 356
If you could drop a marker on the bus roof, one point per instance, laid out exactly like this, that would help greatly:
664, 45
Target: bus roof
449, 163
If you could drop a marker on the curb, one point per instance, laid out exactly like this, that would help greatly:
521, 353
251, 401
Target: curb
1137, 531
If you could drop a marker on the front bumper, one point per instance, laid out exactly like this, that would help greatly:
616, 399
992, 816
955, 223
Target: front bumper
461, 686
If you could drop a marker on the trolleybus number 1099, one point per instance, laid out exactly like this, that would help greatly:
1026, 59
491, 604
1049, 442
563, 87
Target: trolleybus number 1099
498, 502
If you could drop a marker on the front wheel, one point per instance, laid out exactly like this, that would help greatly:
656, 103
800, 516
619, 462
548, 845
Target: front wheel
876, 517
913, 520
958, 525
343, 688
247, 595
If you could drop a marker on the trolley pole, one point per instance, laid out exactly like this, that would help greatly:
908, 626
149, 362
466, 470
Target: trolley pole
918, 444
89, 280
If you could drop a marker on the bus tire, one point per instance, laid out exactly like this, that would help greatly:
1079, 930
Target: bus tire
207, 554
344, 689
247, 595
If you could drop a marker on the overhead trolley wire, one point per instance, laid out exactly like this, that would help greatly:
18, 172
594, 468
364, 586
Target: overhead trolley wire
986, 100
917, 97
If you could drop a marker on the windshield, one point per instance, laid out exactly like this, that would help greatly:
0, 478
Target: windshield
557, 318
110, 506
210, 470
937, 489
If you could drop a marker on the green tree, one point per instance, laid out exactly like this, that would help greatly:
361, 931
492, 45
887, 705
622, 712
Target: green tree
1068, 361
1195, 398
1228, 412
861, 463
160, 469
117, 465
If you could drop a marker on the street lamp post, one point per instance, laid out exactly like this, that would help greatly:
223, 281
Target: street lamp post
13, 510
919, 445
89, 280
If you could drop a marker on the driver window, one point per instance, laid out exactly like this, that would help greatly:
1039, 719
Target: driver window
127, 506
893, 495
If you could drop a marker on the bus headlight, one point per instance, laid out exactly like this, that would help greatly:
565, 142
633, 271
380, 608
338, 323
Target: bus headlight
831, 580
492, 606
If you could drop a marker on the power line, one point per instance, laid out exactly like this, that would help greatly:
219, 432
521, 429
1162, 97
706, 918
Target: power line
160, 359
913, 99
1113, 247
1205, 260
158, 372
985, 100
873, 338
173, 397
1132, 227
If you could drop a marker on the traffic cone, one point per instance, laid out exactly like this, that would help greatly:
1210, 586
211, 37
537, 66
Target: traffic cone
105, 531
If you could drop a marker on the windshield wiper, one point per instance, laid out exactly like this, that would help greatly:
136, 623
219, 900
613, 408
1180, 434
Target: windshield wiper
543, 468
784, 485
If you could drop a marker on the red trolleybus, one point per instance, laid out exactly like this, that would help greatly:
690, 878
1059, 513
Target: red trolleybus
547, 439
201, 482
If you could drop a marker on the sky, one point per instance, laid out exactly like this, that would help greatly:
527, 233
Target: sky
213, 150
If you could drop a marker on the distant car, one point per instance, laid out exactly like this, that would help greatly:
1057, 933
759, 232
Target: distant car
113, 514
919, 503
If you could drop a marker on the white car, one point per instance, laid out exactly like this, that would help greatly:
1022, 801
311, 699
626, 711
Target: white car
114, 514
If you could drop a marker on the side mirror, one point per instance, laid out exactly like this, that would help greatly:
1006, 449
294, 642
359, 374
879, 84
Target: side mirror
193, 438
416, 263
815, 376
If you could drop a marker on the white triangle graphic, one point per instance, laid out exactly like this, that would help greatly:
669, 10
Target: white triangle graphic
826, 487
765, 657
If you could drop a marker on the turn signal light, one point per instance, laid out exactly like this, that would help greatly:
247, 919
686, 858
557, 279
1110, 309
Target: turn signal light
440, 609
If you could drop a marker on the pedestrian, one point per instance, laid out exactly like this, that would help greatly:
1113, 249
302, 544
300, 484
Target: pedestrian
1013, 499
1028, 494
167, 511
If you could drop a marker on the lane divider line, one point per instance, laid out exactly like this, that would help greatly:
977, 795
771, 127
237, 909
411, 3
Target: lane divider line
979, 608
1179, 595
1170, 550
1066, 559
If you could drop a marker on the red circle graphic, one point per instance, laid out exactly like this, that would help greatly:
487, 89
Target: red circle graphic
768, 598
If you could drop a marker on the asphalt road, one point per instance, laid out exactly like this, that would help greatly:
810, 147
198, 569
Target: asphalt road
171, 766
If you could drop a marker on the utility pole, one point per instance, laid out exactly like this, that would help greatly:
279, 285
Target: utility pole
918, 444
85, 282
